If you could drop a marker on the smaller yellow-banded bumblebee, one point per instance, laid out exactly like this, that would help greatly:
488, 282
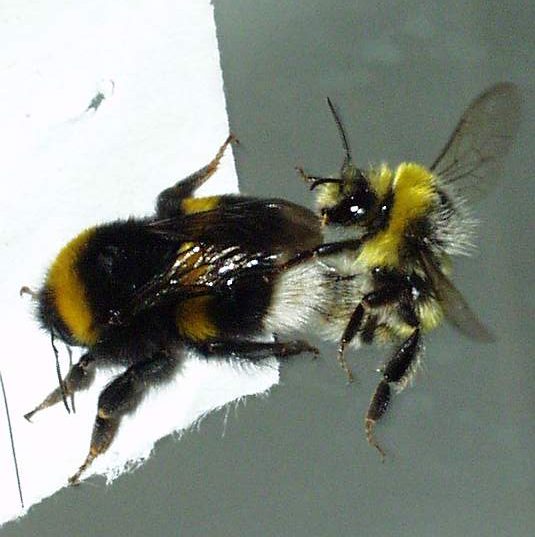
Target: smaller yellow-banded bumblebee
393, 232
202, 273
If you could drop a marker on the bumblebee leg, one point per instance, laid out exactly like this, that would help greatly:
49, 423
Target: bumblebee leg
376, 410
353, 326
169, 200
79, 377
313, 180
304, 176
367, 332
358, 320
324, 250
256, 351
120, 397
398, 371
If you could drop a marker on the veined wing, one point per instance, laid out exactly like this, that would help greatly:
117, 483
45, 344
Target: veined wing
472, 159
455, 307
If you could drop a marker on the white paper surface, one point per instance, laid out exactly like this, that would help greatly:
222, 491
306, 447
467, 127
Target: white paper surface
65, 167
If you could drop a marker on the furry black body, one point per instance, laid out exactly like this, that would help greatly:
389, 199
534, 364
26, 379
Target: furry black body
202, 274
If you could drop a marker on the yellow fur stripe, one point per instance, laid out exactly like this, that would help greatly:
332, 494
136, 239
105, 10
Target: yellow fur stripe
193, 319
199, 205
414, 192
69, 292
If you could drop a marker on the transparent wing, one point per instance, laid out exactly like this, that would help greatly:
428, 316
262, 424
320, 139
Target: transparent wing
455, 307
473, 157
200, 270
269, 225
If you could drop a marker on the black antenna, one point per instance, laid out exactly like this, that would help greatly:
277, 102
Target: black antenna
348, 159
58, 372
69, 350
12, 440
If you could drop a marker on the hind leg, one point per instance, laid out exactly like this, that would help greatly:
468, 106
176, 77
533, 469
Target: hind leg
169, 201
120, 397
397, 372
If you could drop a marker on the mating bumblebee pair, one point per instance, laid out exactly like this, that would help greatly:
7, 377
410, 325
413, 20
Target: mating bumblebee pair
216, 274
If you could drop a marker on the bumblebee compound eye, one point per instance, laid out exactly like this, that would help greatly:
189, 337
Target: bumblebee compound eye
354, 207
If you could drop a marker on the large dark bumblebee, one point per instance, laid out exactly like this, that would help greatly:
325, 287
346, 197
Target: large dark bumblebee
201, 273
389, 237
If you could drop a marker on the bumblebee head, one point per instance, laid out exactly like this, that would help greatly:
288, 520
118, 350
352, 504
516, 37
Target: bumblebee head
347, 201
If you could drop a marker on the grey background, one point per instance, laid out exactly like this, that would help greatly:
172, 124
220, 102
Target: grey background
460, 441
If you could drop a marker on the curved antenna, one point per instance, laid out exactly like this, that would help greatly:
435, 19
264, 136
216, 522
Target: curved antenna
69, 350
58, 372
12, 440
341, 131
25, 290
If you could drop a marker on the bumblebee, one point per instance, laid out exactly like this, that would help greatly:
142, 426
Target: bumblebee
394, 231
202, 273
